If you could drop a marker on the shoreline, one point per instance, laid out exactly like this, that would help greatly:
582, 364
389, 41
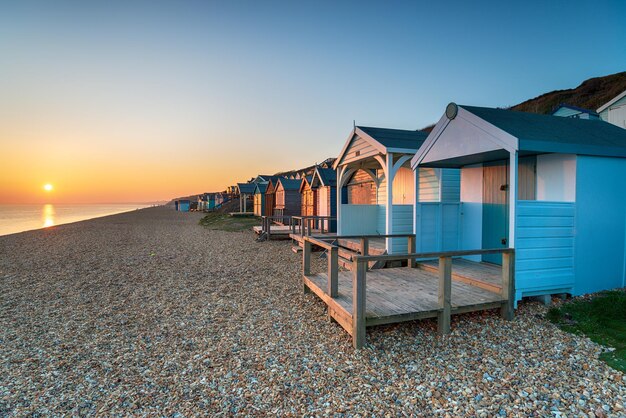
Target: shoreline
56, 225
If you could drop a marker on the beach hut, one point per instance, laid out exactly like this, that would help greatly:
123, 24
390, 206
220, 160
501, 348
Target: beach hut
308, 198
378, 190
569, 111
183, 205
287, 197
324, 181
614, 111
246, 195
259, 198
551, 188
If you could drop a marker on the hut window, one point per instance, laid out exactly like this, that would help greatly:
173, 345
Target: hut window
361, 189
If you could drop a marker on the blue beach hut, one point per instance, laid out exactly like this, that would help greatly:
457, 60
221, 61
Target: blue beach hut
183, 205
550, 187
381, 195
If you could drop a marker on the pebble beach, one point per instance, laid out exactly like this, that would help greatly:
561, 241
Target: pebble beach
147, 313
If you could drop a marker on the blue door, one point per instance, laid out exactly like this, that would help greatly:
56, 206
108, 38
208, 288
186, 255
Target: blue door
495, 209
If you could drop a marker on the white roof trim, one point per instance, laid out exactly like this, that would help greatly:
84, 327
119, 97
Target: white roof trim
497, 136
610, 102
356, 131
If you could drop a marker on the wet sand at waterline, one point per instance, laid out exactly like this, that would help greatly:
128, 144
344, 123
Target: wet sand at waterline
148, 313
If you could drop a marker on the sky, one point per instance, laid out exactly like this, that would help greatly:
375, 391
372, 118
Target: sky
138, 101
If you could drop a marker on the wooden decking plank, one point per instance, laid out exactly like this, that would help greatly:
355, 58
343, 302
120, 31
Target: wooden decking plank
401, 294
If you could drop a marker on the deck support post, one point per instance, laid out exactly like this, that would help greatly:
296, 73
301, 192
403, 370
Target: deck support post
333, 271
411, 263
508, 285
365, 246
445, 290
306, 264
358, 303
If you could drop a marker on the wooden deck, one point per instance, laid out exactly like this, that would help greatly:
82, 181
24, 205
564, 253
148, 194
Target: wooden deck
401, 294
362, 297
484, 275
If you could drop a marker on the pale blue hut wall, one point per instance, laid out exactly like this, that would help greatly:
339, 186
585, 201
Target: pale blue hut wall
437, 213
600, 224
616, 113
544, 246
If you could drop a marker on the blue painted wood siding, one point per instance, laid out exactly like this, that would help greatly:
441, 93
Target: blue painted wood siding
544, 244
359, 219
402, 224
438, 226
450, 185
439, 185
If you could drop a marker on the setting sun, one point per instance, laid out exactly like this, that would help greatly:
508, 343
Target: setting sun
48, 187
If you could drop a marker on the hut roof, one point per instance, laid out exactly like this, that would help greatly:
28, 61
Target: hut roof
261, 187
246, 187
579, 109
326, 176
610, 102
396, 138
289, 184
547, 133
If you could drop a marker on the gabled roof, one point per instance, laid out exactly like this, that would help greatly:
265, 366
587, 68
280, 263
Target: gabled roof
305, 181
469, 135
260, 187
576, 108
610, 102
547, 133
246, 187
326, 176
385, 140
288, 184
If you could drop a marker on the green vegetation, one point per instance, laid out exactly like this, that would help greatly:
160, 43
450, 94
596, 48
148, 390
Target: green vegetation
602, 318
225, 222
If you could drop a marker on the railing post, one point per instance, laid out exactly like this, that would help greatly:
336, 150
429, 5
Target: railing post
365, 246
306, 263
358, 303
333, 272
508, 285
269, 227
411, 261
445, 290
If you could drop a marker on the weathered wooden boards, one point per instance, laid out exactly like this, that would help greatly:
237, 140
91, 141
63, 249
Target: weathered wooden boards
361, 297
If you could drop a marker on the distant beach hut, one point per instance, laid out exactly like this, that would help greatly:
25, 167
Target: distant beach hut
324, 181
183, 205
614, 111
246, 195
569, 111
308, 197
551, 188
287, 197
259, 198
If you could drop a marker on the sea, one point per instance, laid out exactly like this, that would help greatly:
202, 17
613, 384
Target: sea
19, 218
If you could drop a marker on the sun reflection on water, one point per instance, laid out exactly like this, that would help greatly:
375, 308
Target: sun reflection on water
47, 215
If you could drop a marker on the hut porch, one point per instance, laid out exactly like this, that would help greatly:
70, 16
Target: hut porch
360, 298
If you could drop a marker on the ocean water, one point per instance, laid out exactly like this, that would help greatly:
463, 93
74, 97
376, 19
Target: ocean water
18, 218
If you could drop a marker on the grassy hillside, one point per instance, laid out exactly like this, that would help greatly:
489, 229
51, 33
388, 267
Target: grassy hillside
591, 94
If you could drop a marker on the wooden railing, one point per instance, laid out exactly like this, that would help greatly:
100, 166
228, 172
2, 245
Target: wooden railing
359, 287
307, 224
365, 242
267, 221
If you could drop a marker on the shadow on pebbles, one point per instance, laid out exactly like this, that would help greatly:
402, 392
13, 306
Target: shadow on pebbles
147, 313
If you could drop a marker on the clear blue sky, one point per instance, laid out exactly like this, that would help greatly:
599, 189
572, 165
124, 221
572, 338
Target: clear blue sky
182, 79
